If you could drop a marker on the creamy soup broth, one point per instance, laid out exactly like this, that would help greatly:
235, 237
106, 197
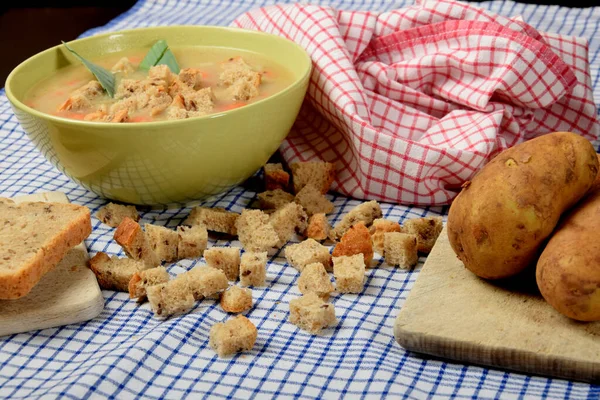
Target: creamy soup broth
211, 80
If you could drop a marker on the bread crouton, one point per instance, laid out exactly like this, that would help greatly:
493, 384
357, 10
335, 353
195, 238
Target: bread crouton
191, 241
161, 72
214, 219
276, 177
320, 174
255, 232
81, 98
205, 281
311, 313
174, 296
236, 299
286, 221
242, 81
314, 278
123, 66
313, 201
234, 336
365, 212
318, 227
143, 279
114, 273
192, 77
379, 228
401, 249
227, 259
356, 240
274, 199
349, 273
307, 252
163, 241
426, 229
130, 236
253, 269
199, 102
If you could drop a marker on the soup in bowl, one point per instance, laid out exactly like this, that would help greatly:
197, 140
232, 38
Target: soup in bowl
164, 133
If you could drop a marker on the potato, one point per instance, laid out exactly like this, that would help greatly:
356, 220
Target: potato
568, 271
499, 220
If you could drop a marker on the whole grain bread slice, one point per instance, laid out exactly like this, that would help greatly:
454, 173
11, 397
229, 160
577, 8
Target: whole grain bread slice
34, 237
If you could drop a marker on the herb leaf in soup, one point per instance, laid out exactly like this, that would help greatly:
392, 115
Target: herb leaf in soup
104, 76
169, 60
154, 55
160, 54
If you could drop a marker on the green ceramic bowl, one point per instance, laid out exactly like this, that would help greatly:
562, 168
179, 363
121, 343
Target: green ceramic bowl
168, 162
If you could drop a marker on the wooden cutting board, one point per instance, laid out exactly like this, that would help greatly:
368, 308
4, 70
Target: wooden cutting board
451, 313
66, 295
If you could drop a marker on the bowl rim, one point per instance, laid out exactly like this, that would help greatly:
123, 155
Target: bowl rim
23, 107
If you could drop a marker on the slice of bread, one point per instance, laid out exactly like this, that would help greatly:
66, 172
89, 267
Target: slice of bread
35, 236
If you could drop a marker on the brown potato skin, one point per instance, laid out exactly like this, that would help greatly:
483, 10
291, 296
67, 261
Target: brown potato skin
568, 271
499, 220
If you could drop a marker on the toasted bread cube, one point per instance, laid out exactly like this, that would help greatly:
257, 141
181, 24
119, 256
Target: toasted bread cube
198, 103
401, 249
191, 241
255, 232
161, 72
112, 214
247, 88
313, 201
356, 240
308, 252
236, 299
426, 229
143, 279
174, 296
214, 219
365, 212
163, 241
276, 177
192, 77
130, 236
81, 98
205, 281
114, 273
253, 269
234, 336
242, 81
314, 278
227, 259
349, 273
288, 220
311, 313
320, 174
274, 199
318, 227
379, 228
123, 66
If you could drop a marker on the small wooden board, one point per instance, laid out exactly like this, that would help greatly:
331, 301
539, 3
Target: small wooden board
451, 313
66, 295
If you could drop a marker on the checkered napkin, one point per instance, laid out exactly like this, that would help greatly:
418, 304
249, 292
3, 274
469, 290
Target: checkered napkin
127, 353
410, 103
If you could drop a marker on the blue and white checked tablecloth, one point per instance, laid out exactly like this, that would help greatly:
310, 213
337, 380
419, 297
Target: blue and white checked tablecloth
127, 353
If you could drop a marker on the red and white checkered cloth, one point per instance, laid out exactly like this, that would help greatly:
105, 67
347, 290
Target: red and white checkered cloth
411, 103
